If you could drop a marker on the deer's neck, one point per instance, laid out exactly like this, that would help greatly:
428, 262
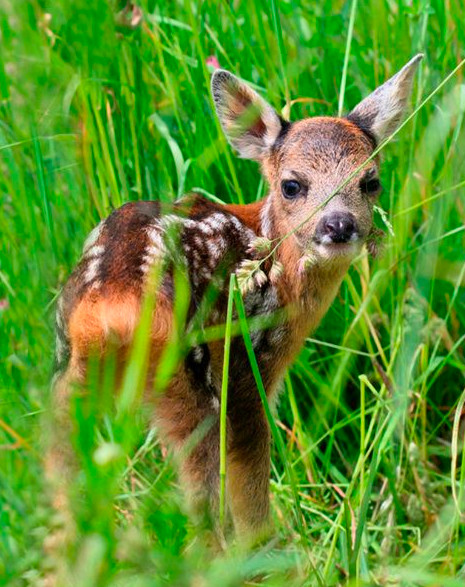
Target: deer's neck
305, 294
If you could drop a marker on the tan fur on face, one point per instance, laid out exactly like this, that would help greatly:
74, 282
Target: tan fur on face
320, 153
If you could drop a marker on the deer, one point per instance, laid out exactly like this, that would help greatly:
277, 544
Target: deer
315, 228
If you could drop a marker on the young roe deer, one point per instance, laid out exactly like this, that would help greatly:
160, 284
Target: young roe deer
304, 163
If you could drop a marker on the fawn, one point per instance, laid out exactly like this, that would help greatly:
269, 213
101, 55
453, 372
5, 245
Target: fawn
304, 163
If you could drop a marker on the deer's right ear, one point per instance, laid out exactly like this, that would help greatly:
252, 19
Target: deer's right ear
249, 122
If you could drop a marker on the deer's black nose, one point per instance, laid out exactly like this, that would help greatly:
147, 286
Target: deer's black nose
337, 227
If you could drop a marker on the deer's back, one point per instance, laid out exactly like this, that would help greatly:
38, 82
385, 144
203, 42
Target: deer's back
102, 298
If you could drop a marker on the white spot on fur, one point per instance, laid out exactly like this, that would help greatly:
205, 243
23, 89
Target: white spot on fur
197, 354
59, 348
237, 224
155, 237
93, 237
205, 228
209, 375
216, 221
145, 268
92, 269
149, 260
94, 251
155, 250
214, 252
220, 240
198, 241
59, 316
189, 223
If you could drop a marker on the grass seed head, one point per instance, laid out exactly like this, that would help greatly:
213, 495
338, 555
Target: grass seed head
260, 246
306, 262
277, 269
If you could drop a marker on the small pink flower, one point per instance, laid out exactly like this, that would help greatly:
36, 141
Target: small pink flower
4, 304
212, 60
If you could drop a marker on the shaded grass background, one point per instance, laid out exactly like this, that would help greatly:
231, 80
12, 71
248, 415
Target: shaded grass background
95, 112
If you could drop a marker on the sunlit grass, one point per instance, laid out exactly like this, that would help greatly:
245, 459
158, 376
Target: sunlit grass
368, 473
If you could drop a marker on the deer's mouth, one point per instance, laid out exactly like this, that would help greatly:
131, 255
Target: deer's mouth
329, 248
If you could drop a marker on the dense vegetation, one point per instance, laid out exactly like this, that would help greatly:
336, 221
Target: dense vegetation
103, 102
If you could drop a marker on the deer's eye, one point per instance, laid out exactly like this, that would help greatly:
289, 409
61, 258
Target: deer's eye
291, 188
370, 187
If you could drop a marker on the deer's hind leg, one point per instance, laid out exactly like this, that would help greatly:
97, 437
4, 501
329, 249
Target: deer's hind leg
59, 458
98, 330
188, 419
60, 470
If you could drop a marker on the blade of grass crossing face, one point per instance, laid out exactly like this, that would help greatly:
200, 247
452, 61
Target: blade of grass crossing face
224, 401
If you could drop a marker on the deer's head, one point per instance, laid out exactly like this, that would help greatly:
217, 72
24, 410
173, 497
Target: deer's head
305, 162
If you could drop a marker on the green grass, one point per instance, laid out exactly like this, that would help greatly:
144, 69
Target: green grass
368, 474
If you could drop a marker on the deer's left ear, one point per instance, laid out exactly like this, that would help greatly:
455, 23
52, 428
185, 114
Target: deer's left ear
249, 122
382, 111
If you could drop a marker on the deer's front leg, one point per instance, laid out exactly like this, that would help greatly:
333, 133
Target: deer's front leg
248, 471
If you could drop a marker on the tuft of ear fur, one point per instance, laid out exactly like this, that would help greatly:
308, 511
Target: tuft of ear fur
381, 113
250, 124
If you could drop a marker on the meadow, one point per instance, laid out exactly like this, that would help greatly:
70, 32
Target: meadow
104, 102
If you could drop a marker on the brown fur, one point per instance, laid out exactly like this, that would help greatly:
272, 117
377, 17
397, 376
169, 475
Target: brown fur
101, 304
249, 214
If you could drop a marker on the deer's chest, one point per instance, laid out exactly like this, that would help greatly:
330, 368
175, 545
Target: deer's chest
272, 340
